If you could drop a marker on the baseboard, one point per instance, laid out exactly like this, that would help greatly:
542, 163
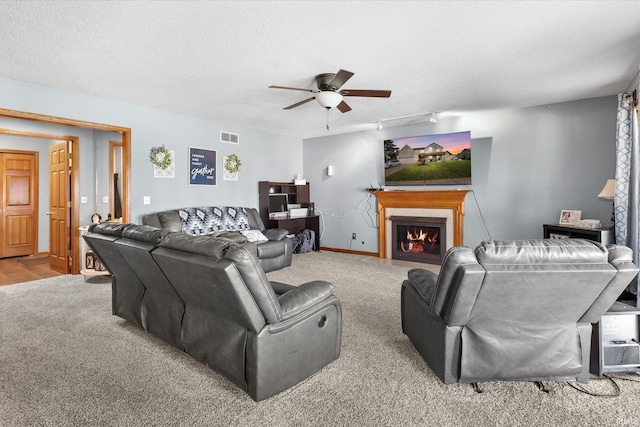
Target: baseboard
349, 251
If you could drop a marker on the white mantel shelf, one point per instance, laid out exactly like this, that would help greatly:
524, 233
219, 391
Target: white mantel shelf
420, 199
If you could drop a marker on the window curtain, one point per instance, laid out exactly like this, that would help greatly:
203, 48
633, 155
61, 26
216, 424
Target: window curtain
626, 198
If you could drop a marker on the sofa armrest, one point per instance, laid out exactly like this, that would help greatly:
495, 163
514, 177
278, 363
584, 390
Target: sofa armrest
304, 296
276, 233
281, 288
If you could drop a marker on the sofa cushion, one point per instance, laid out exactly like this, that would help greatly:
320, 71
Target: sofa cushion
211, 247
170, 220
209, 219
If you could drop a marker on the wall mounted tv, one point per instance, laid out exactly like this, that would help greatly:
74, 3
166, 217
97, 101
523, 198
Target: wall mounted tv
278, 204
440, 159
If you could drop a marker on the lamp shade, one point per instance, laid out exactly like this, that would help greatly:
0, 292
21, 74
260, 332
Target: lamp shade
609, 189
329, 99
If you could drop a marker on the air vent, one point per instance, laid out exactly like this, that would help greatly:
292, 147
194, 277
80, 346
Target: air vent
232, 138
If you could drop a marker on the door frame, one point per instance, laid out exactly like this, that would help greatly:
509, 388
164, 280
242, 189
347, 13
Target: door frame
75, 176
75, 168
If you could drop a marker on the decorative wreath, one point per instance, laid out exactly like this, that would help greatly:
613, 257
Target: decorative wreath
232, 163
160, 157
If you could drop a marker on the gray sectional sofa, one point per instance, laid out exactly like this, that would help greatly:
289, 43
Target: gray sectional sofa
210, 297
274, 248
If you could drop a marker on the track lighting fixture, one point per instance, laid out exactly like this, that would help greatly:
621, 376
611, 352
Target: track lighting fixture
433, 118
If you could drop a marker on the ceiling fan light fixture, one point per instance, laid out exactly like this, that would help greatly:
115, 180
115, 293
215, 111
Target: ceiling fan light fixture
329, 99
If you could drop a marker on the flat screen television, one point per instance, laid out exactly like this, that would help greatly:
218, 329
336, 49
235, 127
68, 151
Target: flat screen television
440, 159
278, 204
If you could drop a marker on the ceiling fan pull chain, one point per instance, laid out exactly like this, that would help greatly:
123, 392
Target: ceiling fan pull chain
328, 119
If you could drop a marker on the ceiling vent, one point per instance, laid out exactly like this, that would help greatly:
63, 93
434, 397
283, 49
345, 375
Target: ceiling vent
232, 138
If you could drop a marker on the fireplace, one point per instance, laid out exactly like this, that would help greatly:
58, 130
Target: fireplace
447, 204
419, 239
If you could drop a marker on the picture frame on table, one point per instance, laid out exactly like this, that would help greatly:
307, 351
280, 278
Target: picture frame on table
569, 217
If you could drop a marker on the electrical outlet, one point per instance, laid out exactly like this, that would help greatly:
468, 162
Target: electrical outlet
146, 200
105, 199
353, 236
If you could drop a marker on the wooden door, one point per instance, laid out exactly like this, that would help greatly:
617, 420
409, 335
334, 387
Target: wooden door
59, 236
18, 215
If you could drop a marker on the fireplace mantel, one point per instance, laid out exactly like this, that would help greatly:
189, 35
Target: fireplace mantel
420, 199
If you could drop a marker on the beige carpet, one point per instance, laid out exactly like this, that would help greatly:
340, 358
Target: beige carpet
65, 360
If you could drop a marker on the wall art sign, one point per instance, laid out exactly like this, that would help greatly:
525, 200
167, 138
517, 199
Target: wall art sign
202, 166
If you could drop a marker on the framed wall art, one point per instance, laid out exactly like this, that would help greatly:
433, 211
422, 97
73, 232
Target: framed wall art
202, 166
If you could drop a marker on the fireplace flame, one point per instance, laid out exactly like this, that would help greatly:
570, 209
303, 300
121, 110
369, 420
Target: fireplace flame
419, 241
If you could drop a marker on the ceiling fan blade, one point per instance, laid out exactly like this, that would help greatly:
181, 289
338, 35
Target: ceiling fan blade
340, 78
299, 103
343, 107
292, 88
366, 92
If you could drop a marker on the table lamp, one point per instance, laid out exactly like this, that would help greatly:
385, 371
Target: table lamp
608, 192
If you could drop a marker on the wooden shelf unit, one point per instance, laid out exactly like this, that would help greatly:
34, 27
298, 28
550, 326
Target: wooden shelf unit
297, 194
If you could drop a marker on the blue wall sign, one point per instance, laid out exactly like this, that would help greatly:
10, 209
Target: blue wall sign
202, 166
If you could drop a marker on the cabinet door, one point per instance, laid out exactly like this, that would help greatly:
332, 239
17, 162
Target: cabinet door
302, 193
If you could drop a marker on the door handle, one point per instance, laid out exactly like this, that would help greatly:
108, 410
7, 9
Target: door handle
49, 213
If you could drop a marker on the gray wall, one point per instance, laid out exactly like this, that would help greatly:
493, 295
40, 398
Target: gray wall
264, 156
527, 165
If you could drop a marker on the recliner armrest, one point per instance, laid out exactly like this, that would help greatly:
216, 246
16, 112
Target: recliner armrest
424, 283
304, 296
275, 233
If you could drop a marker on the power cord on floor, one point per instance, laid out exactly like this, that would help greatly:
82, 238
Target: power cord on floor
616, 387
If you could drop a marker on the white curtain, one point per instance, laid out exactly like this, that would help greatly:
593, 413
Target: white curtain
627, 194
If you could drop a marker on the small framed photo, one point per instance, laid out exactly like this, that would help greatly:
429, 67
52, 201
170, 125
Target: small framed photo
569, 217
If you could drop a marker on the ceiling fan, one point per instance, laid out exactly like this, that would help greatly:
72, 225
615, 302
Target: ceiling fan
329, 94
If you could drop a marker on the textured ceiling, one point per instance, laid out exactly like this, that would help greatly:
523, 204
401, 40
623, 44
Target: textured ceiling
216, 59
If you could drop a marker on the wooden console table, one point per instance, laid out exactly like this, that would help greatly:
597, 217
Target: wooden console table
603, 235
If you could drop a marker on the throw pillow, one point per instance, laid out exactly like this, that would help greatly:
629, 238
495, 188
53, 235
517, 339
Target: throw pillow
196, 221
254, 236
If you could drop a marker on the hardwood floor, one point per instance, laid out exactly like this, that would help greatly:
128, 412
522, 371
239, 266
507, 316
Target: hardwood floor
12, 270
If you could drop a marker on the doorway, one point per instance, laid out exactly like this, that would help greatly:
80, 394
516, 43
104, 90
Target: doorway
74, 196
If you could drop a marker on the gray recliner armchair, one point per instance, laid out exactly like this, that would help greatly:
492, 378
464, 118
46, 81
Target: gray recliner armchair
513, 310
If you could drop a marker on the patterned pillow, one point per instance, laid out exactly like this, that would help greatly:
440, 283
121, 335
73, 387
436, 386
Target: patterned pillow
235, 218
196, 221
207, 220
